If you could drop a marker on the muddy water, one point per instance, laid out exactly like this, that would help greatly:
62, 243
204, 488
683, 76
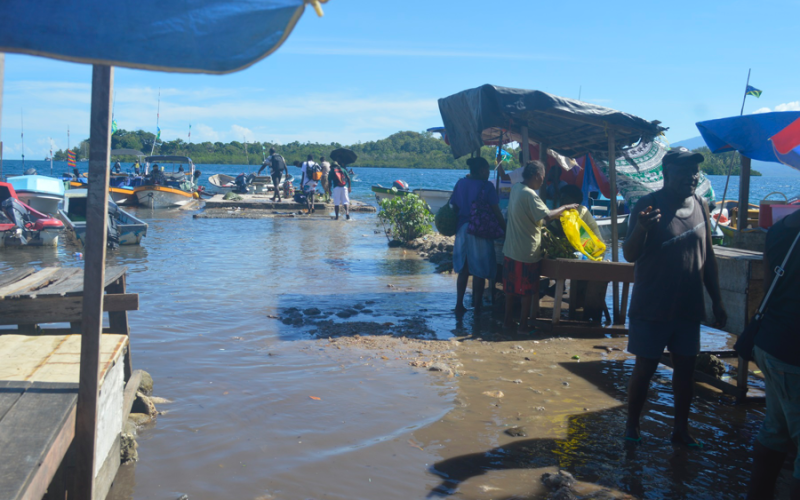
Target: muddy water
270, 408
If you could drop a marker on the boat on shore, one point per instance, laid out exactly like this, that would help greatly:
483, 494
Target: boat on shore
40, 192
221, 183
168, 190
22, 225
435, 198
125, 229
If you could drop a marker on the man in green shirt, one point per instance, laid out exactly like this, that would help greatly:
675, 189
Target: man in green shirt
527, 213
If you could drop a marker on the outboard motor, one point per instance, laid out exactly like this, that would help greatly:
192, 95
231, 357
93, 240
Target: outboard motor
241, 183
400, 185
17, 214
30, 171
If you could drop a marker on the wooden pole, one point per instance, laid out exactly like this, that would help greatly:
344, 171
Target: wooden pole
744, 98
93, 279
744, 193
543, 158
2, 77
526, 154
612, 179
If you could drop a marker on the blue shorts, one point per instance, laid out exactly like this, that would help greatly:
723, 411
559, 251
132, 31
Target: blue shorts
781, 428
649, 338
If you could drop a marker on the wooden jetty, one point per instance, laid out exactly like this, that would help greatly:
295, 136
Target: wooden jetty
264, 202
40, 381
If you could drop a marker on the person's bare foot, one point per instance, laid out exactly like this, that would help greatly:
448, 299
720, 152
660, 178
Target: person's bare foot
632, 434
460, 309
683, 437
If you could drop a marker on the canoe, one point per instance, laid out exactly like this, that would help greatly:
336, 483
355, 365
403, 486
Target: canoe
221, 183
435, 198
129, 229
162, 196
16, 231
39, 192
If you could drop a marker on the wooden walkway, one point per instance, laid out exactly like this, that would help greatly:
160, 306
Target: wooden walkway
40, 372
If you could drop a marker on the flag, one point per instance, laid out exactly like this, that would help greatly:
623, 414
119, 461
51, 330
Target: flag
113, 127
71, 158
504, 155
190, 131
158, 135
752, 91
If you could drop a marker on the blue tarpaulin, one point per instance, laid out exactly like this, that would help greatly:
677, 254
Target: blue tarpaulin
749, 135
192, 36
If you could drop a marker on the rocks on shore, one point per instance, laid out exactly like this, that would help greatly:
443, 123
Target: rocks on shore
437, 249
143, 411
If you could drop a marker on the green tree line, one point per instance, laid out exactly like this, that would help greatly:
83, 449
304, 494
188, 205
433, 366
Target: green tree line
719, 164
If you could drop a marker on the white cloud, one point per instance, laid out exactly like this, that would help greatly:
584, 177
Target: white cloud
787, 106
245, 133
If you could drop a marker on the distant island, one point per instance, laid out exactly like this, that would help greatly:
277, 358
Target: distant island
400, 150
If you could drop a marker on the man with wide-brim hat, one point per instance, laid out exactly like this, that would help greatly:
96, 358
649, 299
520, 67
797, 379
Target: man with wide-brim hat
669, 240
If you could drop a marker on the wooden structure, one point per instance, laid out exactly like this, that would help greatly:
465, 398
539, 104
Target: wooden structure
40, 374
561, 270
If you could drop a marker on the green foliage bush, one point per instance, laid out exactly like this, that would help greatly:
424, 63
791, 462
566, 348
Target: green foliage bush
408, 215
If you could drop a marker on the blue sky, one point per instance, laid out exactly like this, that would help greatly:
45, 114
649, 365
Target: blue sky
371, 68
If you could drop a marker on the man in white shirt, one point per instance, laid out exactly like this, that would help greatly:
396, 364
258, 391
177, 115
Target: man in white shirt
310, 174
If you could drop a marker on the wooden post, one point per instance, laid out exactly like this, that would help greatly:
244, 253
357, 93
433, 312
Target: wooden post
93, 279
526, 154
2, 77
744, 193
612, 179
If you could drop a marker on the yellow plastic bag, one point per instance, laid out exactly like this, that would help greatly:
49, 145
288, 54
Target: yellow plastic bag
581, 237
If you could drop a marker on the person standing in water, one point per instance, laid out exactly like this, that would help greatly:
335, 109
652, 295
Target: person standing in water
326, 170
311, 174
669, 240
339, 179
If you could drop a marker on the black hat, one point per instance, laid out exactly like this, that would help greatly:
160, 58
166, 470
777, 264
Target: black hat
272, 151
680, 155
478, 162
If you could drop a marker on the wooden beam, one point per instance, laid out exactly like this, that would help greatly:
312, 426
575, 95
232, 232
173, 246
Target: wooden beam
60, 309
94, 281
612, 179
744, 193
131, 387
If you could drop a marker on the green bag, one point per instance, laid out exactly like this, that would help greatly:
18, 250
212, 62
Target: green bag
446, 220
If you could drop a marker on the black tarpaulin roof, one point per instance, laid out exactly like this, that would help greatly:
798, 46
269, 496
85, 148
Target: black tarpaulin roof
476, 116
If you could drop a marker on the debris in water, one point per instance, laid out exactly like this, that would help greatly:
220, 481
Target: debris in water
494, 394
415, 444
272, 316
576, 357
315, 398
516, 432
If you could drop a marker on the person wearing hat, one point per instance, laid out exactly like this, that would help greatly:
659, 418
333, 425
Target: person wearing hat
669, 240
472, 255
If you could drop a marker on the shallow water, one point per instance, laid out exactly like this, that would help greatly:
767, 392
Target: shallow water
243, 424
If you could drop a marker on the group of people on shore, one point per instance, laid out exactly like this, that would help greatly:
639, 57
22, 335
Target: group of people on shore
669, 242
334, 179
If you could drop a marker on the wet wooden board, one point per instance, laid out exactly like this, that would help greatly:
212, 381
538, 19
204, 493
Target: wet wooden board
15, 275
50, 282
28, 283
60, 309
35, 434
53, 280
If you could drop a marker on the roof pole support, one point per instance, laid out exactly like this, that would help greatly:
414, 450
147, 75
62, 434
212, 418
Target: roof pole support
612, 179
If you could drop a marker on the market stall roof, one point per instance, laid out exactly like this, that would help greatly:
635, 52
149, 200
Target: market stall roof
770, 137
191, 36
477, 116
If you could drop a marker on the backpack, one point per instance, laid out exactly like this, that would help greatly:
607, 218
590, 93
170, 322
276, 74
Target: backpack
277, 164
341, 179
313, 171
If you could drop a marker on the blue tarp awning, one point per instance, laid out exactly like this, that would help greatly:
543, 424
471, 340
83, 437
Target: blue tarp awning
191, 36
749, 135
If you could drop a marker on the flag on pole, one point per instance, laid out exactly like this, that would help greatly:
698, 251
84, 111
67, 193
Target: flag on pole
158, 135
113, 127
752, 91
190, 131
71, 158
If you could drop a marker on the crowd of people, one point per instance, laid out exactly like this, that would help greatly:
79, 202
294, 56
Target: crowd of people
669, 241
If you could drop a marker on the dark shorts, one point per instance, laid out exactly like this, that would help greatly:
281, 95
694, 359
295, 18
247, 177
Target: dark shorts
649, 338
520, 278
276, 179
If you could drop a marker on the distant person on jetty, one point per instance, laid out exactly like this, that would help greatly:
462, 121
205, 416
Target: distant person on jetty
326, 170
527, 214
136, 167
339, 179
669, 240
473, 255
311, 174
277, 167
777, 353
117, 167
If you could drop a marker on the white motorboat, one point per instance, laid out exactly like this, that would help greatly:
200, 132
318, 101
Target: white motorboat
435, 198
168, 190
41, 193
221, 183
125, 230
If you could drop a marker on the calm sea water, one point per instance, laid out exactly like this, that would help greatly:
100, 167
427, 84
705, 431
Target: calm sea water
242, 424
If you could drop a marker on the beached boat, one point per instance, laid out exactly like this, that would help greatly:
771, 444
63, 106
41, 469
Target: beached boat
126, 229
168, 190
222, 184
39, 192
121, 185
22, 225
435, 198
263, 184
387, 193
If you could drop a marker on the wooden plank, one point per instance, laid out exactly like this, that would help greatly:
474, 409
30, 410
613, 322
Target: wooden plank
60, 309
108, 471
15, 275
131, 387
587, 270
10, 392
94, 278
61, 274
34, 436
30, 282
71, 285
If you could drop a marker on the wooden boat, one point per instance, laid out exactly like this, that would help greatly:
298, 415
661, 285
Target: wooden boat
387, 193
129, 229
169, 190
22, 225
222, 183
39, 192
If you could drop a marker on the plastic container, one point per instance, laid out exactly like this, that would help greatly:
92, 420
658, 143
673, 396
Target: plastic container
765, 212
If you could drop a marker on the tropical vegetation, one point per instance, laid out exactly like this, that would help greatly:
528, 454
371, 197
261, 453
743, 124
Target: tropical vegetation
408, 216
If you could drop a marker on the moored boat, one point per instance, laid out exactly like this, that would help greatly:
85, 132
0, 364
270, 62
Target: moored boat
22, 225
399, 188
39, 192
168, 190
221, 183
435, 198
123, 228
155, 196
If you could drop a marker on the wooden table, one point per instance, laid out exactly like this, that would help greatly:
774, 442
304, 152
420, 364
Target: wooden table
573, 269
40, 370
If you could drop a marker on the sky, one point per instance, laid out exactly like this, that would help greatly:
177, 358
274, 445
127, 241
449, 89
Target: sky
370, 68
